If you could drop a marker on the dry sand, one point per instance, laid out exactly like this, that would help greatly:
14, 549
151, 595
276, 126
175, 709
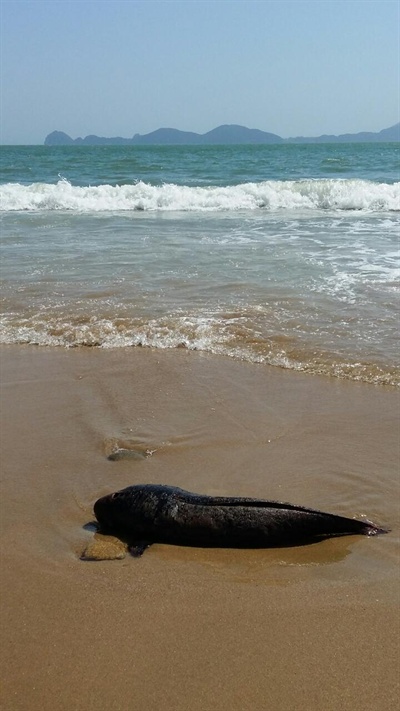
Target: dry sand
309, 628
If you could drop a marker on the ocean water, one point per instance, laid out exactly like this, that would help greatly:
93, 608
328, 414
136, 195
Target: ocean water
285, 254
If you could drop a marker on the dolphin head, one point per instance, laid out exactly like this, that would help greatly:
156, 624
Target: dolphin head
114, 512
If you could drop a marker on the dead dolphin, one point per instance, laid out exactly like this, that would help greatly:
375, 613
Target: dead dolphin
154, 513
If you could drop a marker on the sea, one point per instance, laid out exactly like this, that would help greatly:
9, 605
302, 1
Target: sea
282, 255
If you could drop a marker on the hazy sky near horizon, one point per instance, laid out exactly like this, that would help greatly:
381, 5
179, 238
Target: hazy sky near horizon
120, 67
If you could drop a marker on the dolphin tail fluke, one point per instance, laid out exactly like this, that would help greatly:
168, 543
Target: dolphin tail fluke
370, 529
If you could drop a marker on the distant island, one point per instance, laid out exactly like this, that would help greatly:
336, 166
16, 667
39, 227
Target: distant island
227, 134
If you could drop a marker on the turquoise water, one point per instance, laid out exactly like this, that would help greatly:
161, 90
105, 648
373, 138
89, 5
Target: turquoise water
286, 255
198, 165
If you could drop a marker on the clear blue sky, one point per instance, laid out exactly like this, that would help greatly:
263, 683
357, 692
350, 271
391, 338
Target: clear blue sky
120, 67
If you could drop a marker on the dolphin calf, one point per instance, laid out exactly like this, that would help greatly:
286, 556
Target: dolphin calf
153, 513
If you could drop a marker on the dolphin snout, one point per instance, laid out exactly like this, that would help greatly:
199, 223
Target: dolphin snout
101, 509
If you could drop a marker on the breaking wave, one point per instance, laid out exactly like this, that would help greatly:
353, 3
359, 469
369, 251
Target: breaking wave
216, 335
271, 195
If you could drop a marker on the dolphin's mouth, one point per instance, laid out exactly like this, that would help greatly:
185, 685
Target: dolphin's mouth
101, 510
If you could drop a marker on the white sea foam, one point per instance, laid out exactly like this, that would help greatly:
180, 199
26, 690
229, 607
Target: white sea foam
271, 195
210, 334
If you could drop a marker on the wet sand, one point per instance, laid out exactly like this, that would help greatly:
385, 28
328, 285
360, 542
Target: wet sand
312, 627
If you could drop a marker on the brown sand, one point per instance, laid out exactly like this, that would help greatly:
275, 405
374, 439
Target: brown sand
309, 628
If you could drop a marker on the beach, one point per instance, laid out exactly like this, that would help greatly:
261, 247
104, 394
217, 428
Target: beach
223, 319
310, 627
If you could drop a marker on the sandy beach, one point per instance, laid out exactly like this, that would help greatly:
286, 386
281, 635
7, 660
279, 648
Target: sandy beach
305, 628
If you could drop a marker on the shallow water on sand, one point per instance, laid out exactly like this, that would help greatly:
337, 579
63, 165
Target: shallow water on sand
209, 426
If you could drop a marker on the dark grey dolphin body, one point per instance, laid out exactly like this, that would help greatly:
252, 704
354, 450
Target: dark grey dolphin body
153, 513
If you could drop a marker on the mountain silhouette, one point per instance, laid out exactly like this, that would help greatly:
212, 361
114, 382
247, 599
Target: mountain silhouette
226, 134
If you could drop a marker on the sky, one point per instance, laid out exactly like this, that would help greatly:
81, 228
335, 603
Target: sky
120, 67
